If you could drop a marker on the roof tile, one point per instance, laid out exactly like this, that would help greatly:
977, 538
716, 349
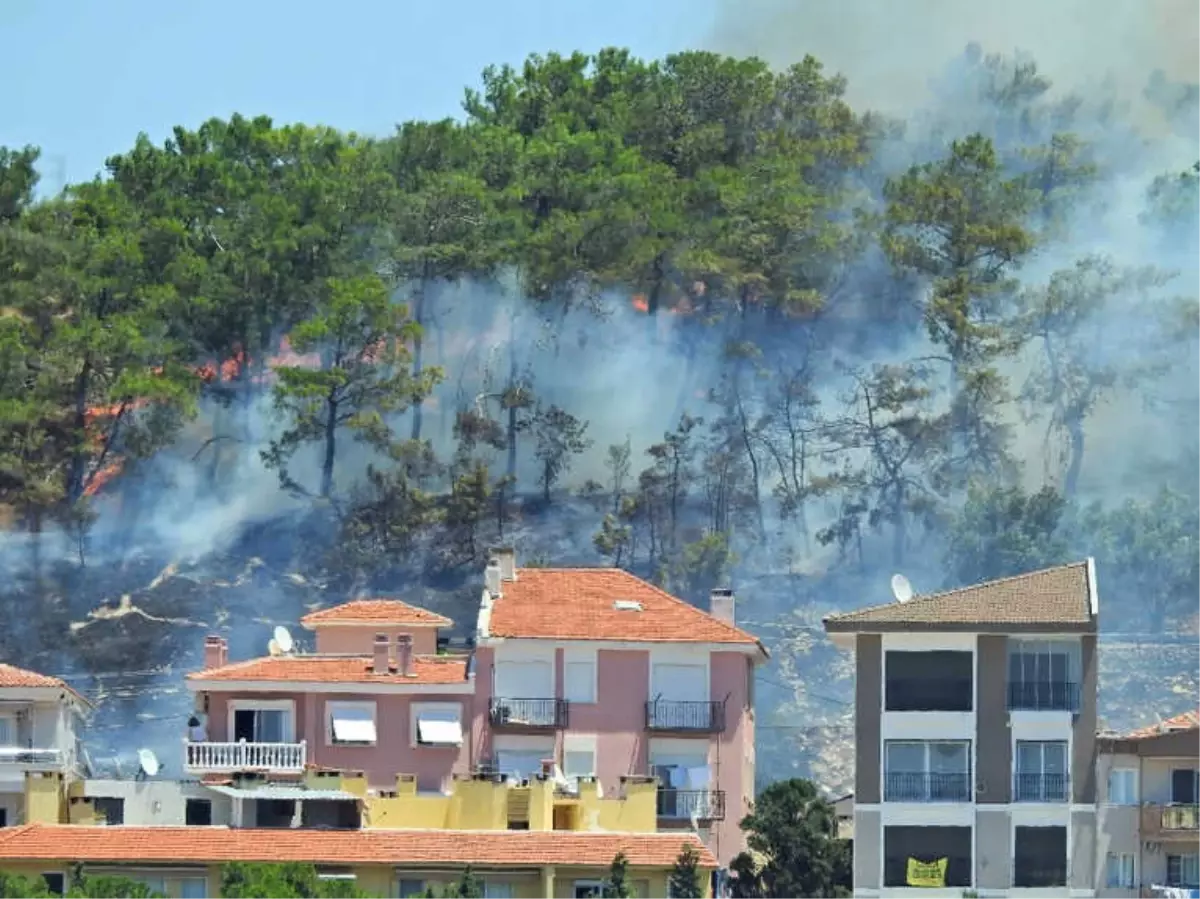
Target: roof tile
448, 669
81, 843
12, 676
1053, 596
375, 611
1186, 721
578, 604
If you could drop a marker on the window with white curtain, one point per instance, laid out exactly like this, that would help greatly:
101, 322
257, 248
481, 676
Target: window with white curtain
1123, 786
1119, 871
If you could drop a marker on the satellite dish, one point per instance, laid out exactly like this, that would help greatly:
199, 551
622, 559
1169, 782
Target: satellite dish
148, 762
901, 588
283, 639
273, 647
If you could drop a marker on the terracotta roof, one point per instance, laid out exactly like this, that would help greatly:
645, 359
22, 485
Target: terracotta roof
376, 611
1055, 597
337, 670
578, 604
1186, 721
82, 843
12, 676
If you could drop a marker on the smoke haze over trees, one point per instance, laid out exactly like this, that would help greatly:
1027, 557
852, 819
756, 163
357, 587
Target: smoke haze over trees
696, 317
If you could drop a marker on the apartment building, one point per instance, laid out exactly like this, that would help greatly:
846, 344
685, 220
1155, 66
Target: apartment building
975, 749
611, 677
186, 861
1148, 841
40, 720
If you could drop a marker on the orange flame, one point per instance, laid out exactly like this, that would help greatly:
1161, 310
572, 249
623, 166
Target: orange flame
640, 303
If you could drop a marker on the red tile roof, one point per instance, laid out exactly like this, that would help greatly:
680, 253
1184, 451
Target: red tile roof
81, 843
578, 604
1054, 597
1186, 721
375, 611
12, 676
332, 669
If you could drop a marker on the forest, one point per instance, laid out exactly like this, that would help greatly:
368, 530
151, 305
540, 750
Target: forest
694, 317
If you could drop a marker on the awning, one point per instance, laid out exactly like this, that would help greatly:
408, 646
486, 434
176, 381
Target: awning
353, 726
439, 730
282, 792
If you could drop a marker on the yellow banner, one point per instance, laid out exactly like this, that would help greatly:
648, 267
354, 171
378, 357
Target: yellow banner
927, 874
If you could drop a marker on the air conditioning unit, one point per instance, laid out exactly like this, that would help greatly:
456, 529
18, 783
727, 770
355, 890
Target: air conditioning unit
1153, 848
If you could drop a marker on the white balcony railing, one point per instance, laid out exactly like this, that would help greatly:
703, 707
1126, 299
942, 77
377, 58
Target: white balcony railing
243, 756
31, 759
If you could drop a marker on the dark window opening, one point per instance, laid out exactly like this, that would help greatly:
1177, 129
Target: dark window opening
1040, 678
274, 812
3, 817
1184, 786
112, 808
927, 845
938, 681
331, 814
1183, 871
56, 882
198, 813
1040, 857
518, 825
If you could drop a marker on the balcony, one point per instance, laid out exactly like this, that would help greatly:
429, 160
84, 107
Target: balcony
1041, 788
928, 695
28, 759
926, 786
685, 717
1043, 696
1170, 821
228, 758
682, 805
1039, 877
528, 714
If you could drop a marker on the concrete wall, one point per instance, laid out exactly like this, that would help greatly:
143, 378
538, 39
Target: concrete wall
355, 640
993, 743
993, 850
868, 849
158, 802
1083, 734
868, 718
1081, 864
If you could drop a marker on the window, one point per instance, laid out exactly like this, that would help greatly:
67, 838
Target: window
1122, 786
1041, 771
198, 813
350, 724
56, 882
497, 889
1183, 870
523, 762
927, 771
579, 756
935, 681
193, 888
8, 730
526, 679
902, 845
670, 682
436, 724
262, 721
410, 888
113, 809
588, 889
579, 676
1119, 870
153, 884
1184, 786
3, 817
1040, 857
1042, 675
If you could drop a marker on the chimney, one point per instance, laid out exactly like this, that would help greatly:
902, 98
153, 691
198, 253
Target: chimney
404, 655
491, 577
507, 558
720, 604
382, 650
216, 651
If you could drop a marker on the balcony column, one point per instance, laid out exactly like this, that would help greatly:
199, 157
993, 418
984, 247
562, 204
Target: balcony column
547, 878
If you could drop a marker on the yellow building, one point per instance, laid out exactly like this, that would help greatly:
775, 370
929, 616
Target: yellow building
186, 861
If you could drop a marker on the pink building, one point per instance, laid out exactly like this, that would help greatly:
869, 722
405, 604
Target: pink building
591, 668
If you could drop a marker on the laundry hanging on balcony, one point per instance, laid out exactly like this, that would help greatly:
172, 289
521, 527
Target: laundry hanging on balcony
927, 874
1174, 892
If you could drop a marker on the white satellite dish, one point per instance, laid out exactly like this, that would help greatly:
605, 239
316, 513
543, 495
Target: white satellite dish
148, 762
901, 588
273, 648
283, 639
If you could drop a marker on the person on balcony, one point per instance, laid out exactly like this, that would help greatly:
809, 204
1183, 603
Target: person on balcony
196, 732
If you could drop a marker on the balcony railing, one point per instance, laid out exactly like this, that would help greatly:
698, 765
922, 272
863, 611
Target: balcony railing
926, 786
1043, 696
928, 695
528, 713
1038, 876
704, 805
1040, 787
243, 756
701, 717
1181, 817
30, 758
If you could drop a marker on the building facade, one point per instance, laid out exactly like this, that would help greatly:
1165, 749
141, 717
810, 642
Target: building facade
975, 722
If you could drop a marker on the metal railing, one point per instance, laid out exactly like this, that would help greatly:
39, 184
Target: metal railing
1043, 696
1181, 817
504, 711
927, 695
705, 805
1041, 788
670, 714
243, 756
926, 786
1039, 876
20, 755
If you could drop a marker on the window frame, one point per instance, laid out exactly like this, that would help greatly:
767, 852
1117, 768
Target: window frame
1182, 857
399, 886
331, 705
1133, 779
287, 706
579, 657
1121, 881
580, 744
414, 714
11, 720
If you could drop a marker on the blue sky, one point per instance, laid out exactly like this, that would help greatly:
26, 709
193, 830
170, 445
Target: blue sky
84, 77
